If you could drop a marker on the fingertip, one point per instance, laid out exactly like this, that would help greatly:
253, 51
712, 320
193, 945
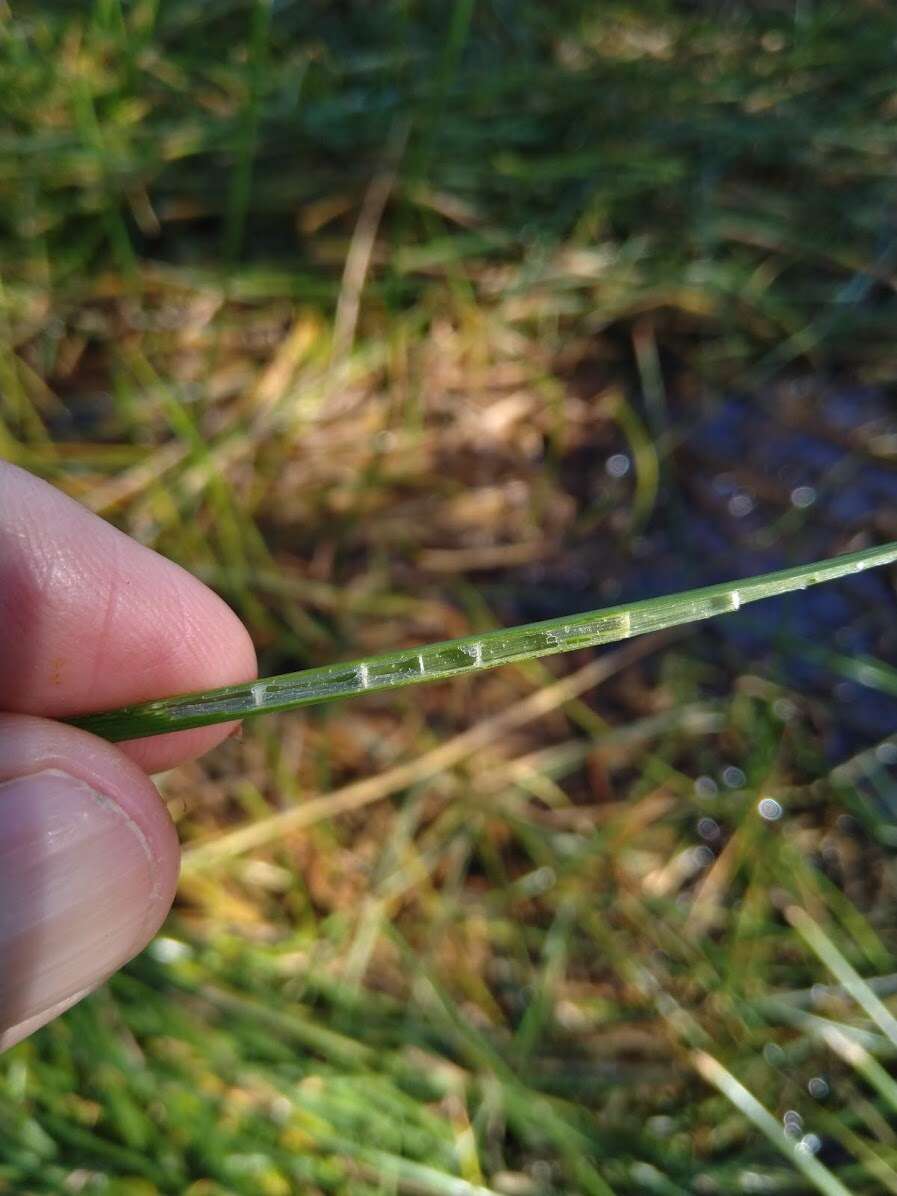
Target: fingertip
31, 745
92, 620
220, 652
159, 752
88, 867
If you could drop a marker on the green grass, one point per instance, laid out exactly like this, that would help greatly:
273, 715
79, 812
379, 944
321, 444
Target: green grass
345, 306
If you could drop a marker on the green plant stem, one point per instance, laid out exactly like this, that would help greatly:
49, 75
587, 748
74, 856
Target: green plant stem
454, 658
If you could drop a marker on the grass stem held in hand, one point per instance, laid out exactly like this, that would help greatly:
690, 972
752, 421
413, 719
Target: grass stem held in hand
453, 658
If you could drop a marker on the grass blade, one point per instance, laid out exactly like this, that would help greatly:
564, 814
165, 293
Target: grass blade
818, 1175
816, 938
453, 658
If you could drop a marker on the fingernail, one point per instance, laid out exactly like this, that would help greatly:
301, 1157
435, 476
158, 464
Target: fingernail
76, 880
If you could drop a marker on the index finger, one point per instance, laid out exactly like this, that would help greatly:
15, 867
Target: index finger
91, 620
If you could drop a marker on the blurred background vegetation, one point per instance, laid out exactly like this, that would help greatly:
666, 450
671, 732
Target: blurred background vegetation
401, 320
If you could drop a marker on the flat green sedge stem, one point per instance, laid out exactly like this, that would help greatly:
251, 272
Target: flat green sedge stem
453, 658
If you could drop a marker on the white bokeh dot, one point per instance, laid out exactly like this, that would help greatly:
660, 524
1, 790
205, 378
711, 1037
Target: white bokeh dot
618, 465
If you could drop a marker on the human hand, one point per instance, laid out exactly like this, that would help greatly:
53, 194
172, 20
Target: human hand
89, 619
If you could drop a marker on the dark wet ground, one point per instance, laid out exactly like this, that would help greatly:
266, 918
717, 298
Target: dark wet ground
760, 484
799, 476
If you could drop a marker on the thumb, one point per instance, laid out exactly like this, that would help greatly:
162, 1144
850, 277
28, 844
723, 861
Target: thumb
88, 868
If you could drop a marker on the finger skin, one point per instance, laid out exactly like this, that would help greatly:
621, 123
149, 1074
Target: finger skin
91, 620
16, 1033
88, 867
